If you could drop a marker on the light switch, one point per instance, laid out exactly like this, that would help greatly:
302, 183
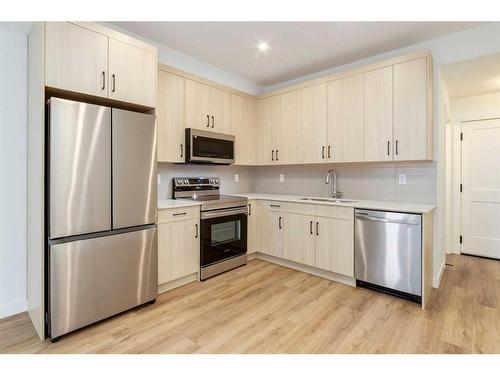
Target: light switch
236, 178
158, 179
402, 179
282, 178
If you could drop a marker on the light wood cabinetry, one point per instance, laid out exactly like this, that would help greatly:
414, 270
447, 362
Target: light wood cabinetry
170, 118
253, 218
132, 74
178, 249
378, 138
345, 119
90, 59
299, 238
270, 229
311, 124
267, 115
411, 123
244, 128
335, 246
76, 59
207, 107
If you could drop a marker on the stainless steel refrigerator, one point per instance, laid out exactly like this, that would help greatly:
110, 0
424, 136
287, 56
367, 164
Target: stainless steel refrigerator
101, 202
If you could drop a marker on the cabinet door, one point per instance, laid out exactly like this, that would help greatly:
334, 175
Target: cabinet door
178, 249
335, 246
220, 110
197, 111
267, 110
76, 59
378, 115
410, 110
345, 119
311, 124
243, 124
170, 111
299, 233
272, 233
252, 235
132, 73
286, 128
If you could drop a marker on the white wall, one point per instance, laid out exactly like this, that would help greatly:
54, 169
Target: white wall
13, 122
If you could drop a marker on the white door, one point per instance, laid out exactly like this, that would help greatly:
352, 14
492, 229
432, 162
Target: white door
481, 188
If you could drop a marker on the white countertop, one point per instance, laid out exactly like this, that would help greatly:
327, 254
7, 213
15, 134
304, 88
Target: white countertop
176, 203
368, 204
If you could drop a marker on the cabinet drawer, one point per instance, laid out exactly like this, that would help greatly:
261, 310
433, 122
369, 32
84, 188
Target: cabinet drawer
335, 212
274, 205
178, 214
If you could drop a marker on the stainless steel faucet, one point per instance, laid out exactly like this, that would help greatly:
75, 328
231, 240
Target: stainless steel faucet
336, 194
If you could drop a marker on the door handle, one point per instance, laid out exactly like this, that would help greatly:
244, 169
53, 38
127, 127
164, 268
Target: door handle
317, 229
329, 151
272, 155
311, 227
322, 152
208, 121
196, 231
182, 149
103, 77
397, 153
388, 147
113, 81
279, 222
249, 209
213, 121
277, 155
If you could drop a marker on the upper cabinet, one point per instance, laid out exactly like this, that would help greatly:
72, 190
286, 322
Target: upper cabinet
207, 107
90, 59
244, 128
345, 119
170, 117
412, 122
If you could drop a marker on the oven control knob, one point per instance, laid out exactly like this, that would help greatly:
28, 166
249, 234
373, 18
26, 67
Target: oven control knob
178, 182
211, 180
186, 181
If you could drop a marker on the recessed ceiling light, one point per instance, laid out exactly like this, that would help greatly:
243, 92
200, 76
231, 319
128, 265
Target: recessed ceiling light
263, 46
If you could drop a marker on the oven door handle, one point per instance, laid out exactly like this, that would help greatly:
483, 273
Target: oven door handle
221, 213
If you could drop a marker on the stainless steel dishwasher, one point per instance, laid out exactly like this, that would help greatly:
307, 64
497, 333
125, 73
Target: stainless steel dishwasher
388, 252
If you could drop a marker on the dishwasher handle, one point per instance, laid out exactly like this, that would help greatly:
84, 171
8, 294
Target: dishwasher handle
365, 216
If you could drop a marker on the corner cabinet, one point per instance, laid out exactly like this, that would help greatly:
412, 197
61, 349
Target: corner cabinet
243, 120
90, 59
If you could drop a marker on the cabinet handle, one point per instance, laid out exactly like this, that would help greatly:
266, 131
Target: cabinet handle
179, 214
388, 147
322, 152
113, 82
249, 209
213, 121
272, 155
317, 229
397, 147
103, 77
208, 121
279, 222
275, 205
196, 231
329, 147
182, 150
311, 227
277, 155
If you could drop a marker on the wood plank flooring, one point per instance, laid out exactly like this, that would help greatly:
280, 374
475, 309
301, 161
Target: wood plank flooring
265, 308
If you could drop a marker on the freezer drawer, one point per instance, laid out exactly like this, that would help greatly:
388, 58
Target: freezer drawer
79, 168
93, 279
134, 169
388, 250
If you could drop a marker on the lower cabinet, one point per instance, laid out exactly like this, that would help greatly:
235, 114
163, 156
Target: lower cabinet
270, 232
178, 249
253, 213
299, 238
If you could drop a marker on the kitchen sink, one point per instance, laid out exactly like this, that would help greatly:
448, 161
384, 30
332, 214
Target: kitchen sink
333, 200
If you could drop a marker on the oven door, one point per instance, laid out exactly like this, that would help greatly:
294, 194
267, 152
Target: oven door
208, 147
223, 235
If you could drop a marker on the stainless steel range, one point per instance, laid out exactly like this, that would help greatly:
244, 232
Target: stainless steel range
223, 226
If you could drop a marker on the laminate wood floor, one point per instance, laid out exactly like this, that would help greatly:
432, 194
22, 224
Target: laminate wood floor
265, 308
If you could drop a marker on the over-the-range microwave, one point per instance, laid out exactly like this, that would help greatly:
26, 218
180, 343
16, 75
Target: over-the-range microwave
204, 147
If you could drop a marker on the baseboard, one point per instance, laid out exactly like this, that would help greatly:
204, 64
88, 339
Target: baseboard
437, 279
251, 256
13, 308
332, 276
177, 282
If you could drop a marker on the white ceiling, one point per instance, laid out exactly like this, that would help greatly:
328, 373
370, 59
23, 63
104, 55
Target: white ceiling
473, 77
296, 48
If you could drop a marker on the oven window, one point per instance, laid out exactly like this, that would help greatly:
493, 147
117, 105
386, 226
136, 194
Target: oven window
212, 148
229, 231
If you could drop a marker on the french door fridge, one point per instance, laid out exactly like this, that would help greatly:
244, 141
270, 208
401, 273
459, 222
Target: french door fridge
101, 208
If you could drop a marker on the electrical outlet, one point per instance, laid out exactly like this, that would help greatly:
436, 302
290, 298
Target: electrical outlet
236, 178
158, 179
402, 179
282, 177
